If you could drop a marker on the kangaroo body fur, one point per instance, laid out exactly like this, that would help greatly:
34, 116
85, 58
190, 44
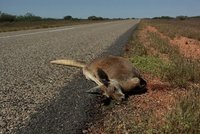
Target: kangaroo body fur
114, 75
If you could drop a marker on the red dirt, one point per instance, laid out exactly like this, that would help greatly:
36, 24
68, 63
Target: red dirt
190, 48
154, 30
151, 29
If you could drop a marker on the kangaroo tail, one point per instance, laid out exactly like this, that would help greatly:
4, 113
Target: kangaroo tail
69, 63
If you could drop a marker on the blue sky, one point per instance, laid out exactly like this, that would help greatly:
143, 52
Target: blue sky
104, 8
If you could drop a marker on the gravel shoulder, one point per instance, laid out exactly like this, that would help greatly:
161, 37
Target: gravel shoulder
36, 97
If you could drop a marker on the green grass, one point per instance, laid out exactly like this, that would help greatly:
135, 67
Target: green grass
151, 64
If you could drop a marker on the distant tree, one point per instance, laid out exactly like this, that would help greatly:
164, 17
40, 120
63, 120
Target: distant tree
95, 18
117, 19
92, 18
163, 17
28, 17
7, 17
106, 18
68, 17
49, 19
195, 17
77, 19
181, 17
156, 18
31, 17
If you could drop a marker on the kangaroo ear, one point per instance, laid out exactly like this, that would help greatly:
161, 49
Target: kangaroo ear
103, 77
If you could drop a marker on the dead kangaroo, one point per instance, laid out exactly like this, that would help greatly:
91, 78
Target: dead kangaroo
114, 75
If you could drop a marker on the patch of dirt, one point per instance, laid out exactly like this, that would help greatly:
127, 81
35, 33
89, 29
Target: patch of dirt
160, 97
190, 48
151, 29
154, 30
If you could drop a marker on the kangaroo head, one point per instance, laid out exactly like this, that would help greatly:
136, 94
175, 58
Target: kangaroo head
109, 87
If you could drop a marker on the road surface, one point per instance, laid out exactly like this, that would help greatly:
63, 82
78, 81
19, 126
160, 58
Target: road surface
37, 97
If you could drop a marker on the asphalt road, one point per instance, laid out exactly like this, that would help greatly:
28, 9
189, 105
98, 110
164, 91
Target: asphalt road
37, 97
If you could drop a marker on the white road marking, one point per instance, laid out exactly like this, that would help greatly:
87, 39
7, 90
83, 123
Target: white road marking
48, 31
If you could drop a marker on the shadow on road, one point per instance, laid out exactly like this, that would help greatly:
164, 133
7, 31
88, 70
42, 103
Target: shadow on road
66, 113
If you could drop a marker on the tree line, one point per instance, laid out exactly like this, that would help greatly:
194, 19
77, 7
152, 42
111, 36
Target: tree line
177, 17
5, 17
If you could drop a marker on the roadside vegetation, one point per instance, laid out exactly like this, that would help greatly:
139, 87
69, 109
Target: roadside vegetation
170, 65
9, 22
50, 23
188, 28
171, 104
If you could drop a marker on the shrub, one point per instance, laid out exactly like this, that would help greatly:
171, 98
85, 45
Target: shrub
68, 17
28, 17
95, 18
7, 17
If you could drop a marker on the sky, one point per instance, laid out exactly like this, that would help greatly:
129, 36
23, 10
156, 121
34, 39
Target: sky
103, 8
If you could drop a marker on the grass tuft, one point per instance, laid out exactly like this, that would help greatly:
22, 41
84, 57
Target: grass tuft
183, 72
185, 117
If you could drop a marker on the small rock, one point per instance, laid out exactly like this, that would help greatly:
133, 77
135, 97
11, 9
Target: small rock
85, 131
2, 123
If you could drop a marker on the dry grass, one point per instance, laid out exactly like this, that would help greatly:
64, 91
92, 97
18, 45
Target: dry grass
172, 28
185, 117
26, 25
